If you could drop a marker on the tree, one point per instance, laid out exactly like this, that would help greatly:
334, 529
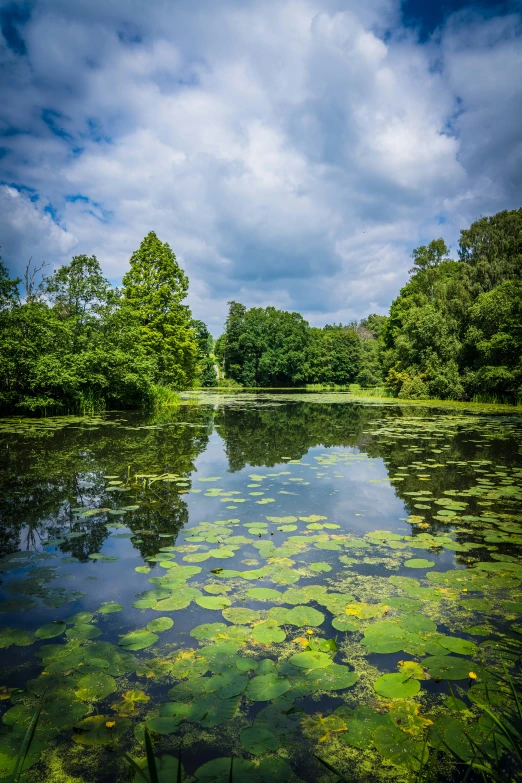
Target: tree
8, 287
334, 355
429, 256
206, 368
490, 251
493, 343
154, 290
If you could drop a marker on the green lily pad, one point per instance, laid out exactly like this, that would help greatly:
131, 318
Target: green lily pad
110, 608
310, 660
419, 562
218, 771
320, 567
94, 687
396, 686
304, 615
138, 640
266, 687
268, 632
399, 748
334, 678
213, 601
344, 623
164, 725
257, 740
247, 664
94, 730
160, 624
83, 631
264, 594
240, 615
50, 630
167, 769
445, 667
456, 645
226, 684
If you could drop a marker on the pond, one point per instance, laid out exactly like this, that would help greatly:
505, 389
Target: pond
268, 577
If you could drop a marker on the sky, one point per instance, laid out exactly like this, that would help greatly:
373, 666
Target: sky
291, 152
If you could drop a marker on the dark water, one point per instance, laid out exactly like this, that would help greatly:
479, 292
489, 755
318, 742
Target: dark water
392, 535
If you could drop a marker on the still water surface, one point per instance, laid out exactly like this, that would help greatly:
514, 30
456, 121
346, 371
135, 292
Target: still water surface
263, 576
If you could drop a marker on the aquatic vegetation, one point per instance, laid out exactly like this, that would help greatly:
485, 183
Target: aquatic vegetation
364, 621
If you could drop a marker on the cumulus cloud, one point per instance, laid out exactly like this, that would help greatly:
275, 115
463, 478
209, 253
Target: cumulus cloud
292, 152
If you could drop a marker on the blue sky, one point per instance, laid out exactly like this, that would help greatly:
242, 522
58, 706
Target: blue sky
292, 152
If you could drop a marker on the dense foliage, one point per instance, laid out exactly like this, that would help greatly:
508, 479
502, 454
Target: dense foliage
75, 343
454, 331
270, 347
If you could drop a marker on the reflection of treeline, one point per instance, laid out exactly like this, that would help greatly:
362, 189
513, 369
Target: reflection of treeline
264, 435
43, 480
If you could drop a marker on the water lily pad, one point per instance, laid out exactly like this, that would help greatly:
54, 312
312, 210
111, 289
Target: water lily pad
83, 631
213, 601
396, 686
419, 562
333, 678
247, 664
400, 748
226, 684
310, 660
344, 623
160, 624
94, 730
445, 667
320, 567
138, 640
257, 740
240, 615
264, 594
110, 608
163, 725
268, 632
266, 687
218, 771
50, 630
304, 615
94, 687
456, 645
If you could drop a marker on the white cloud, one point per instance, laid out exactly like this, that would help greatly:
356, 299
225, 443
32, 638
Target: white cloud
291, 152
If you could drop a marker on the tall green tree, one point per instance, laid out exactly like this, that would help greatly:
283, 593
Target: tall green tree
8, 287
206, 361
154, 290
334, 355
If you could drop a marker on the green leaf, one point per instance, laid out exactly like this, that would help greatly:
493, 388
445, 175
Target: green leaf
445, 667
160, 624
138, 640
50, 630
257, 740
96, 686
266, 687
213, 601
110, 608
396, 686
310, 660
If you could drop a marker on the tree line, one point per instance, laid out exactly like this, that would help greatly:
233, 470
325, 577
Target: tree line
453, 332
74, 342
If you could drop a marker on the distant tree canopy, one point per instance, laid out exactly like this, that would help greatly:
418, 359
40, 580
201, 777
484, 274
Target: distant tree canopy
270, 347
74, 342
454, 331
